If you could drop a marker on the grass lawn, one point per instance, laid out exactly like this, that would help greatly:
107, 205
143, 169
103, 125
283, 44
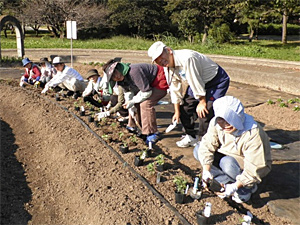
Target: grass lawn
257, 48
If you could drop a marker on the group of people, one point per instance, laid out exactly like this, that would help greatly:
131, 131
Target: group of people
232, 148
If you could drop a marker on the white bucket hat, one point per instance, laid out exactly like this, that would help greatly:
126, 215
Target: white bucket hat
57, 60
230, 109
155, 50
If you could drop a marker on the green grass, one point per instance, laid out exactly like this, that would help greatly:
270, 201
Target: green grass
256, 48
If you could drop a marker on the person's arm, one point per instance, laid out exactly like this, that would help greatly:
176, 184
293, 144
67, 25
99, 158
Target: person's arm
176, 116
88, 90
120, 102
138, 98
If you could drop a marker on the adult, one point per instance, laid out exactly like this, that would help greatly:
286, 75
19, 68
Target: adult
144, 86
32, 72
195, 82
235, 151
47, 70
66, 78
95, 92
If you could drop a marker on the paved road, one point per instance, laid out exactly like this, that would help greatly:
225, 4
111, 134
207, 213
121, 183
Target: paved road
274, 74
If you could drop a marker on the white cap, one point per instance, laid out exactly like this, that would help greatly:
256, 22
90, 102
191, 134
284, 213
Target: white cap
155, 50
57, 60
230, 109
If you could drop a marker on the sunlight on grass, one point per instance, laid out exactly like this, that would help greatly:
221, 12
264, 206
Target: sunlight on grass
256, 48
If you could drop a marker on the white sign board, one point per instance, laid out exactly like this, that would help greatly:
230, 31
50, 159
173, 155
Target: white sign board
71, 30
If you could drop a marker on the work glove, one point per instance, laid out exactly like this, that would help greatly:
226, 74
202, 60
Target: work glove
206, 177
132, 111
45, 89
230, 189
128, 104
102, 115
108, 106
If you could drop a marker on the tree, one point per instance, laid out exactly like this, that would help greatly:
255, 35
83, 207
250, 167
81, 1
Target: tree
286, 8
141, 17
196, 16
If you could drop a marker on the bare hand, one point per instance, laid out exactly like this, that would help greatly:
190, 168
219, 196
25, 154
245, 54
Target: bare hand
201, 109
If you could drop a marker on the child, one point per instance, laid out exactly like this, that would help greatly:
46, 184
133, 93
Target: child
32, 73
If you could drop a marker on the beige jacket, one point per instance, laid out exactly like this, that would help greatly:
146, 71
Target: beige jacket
251, 150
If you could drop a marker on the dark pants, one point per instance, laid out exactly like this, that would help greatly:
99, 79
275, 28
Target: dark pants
215, 88
92, 101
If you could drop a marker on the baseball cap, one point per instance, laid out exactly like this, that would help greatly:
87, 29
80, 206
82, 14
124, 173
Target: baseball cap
57, 60
156, 50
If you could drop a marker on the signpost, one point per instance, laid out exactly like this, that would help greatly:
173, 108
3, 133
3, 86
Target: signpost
71, 34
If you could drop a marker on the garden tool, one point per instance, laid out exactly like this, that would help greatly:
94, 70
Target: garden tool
171, 126
195, 194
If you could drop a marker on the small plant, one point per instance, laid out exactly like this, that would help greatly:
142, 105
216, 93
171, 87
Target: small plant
282, 104
105, 137
89, 105
113, 124
296, 108
76, 104
180, 183
279, 100
291, 101
121, 134
160, 159
270, 102
151, 169
124, 143
133, 138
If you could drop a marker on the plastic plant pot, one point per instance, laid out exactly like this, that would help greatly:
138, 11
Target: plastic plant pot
57, 98
96, 123
179, 197
201, 219
77, 108
82, 113
138, 161
160, 168
215, 186
124, 149
91, 119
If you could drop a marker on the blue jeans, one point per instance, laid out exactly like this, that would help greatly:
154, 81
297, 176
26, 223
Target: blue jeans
229, 169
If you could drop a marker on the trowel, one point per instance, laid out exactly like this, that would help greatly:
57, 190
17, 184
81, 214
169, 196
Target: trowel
171, 126
194, 193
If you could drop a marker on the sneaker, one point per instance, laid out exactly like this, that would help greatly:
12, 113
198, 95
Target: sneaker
152, 138
131, 129
244, 194
187, 141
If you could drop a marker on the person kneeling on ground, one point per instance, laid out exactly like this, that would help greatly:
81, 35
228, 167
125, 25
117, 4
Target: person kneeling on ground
95, 92
47, 71
115, 105
32, 73
235, 151
66, 77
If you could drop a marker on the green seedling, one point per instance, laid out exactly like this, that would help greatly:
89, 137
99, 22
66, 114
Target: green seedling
76, 104
291, 101
282, 104
133, 138
180, 183
124, 144
160, 159
279, 100
151, 169
270, 102
121, 134
296, 108
113, 124
105, 136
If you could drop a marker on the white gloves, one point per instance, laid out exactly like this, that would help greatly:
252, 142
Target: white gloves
230, 189
128, 104
132, 111
44, 90
206, 177
108, 106
102, 115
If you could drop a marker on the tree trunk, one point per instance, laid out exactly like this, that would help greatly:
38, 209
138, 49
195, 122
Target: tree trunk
205, 34
251, 34
284, 27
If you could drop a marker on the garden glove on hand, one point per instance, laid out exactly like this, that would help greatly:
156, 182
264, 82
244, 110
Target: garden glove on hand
102, 115
128, 105
45, 89
132, 111
206, 177
229, 190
